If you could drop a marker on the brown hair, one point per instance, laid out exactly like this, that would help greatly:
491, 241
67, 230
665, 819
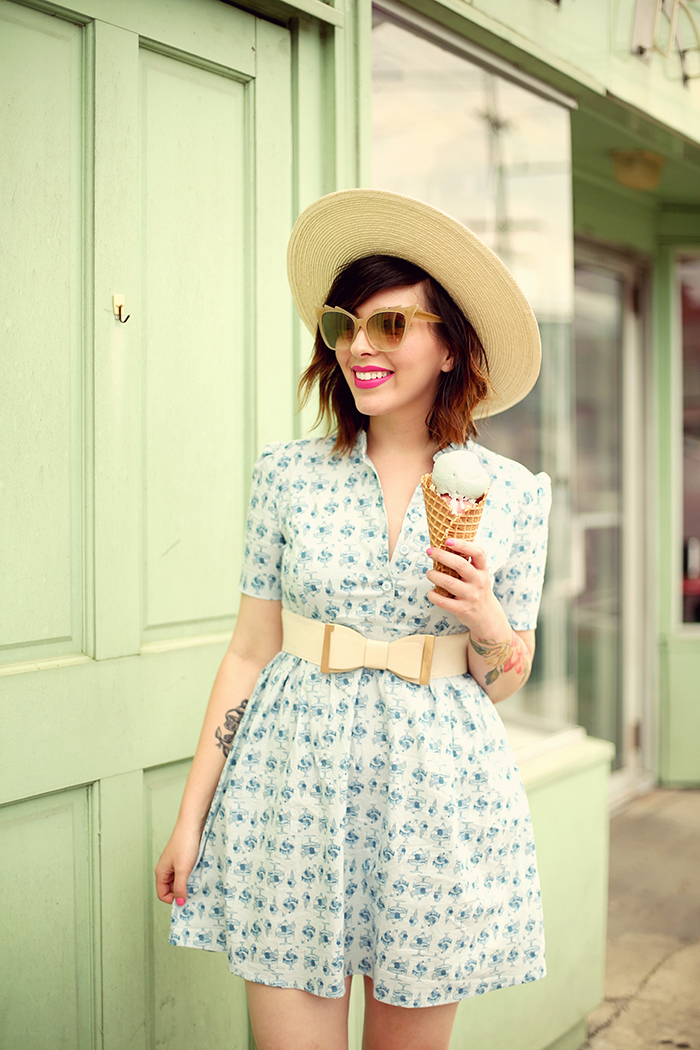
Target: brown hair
451, 416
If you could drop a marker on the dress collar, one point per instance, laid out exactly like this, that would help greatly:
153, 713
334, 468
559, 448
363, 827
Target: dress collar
359, 452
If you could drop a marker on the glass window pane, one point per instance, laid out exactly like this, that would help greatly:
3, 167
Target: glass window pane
689, 274
597, 503
489, 152
497, 157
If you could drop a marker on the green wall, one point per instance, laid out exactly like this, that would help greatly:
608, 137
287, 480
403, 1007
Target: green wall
609, 214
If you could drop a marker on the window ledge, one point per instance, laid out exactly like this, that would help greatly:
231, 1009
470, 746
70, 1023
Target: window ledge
530, 737
547, 751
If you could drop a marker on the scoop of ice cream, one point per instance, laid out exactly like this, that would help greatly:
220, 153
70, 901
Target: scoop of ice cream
460, 475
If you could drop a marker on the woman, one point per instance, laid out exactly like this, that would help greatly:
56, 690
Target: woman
363, 822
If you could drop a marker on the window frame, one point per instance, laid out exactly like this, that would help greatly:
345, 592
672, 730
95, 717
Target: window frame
688, 630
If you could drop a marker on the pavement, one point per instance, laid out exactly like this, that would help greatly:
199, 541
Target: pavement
652, 978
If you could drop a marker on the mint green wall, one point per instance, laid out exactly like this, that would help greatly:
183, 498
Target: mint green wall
610, 214
680, 711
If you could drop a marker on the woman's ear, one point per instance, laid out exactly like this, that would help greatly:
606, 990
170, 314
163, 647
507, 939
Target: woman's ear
449, 362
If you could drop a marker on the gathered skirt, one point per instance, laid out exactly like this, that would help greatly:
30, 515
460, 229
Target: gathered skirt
365, 825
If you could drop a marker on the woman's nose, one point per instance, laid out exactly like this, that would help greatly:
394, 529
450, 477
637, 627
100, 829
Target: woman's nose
361, 345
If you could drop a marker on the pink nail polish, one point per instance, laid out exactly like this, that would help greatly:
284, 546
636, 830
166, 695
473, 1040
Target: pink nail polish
179, 901
429, 550
450, 543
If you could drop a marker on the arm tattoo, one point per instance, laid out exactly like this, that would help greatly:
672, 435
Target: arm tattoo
502, 657
232, 720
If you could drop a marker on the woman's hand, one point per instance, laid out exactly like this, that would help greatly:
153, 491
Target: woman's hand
176, 863
473, 599
499, 658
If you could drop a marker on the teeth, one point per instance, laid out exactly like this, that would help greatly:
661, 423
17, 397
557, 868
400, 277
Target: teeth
372, 375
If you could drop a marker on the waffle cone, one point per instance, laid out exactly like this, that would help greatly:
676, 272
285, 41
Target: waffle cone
443, 524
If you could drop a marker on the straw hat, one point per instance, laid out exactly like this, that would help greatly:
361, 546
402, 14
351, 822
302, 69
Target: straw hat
351, 224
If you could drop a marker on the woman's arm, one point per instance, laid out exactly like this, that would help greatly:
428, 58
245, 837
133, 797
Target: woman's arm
499, 658
501, 665
256, 639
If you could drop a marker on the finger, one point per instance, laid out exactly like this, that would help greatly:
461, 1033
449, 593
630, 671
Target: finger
439, 599
467, 553
458, 562
472, 551
180, 889
171, 885
456, 588
164, 889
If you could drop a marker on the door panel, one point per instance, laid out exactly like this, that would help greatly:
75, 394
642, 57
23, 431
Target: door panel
197, 198
41, 364
47, 933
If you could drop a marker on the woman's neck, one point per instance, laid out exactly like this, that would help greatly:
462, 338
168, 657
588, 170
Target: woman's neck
400, 440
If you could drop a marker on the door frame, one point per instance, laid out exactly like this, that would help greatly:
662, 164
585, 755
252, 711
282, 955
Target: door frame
638, 772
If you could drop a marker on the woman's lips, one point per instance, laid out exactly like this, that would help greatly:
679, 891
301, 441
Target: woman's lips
366, 378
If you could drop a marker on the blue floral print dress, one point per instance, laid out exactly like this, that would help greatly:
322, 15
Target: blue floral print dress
363, 824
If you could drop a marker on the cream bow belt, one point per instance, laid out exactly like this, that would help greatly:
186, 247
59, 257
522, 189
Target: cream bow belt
417, 658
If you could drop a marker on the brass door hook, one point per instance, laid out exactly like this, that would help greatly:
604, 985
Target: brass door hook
118, 307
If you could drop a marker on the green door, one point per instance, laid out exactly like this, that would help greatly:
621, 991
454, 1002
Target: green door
145, 154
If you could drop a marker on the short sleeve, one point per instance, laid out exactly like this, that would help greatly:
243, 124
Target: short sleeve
518, 583
261, 573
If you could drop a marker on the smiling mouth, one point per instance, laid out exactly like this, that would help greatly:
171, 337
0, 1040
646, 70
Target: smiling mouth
368, 377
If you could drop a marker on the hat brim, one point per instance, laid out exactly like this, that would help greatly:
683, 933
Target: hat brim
351, 224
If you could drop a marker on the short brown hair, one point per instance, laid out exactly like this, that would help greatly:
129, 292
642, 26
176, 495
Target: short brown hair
461, 389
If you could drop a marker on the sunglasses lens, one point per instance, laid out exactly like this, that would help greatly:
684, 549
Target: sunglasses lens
337, 330
386, 329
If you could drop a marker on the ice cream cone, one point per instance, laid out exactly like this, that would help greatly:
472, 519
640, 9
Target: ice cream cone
442, 523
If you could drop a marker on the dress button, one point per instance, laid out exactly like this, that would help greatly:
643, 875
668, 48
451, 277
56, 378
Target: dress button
404, 549
387, 586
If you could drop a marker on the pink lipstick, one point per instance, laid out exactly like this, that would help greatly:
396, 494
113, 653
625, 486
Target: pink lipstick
366, 378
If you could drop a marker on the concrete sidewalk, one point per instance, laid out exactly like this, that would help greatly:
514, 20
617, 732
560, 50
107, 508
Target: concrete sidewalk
652, 981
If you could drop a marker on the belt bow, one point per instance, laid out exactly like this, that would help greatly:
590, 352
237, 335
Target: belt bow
410, 658
335, 647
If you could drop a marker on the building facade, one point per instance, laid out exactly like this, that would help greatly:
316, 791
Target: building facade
155, 155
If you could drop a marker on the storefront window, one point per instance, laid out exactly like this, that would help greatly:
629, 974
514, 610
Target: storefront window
689, 280
598, 502
496, 156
